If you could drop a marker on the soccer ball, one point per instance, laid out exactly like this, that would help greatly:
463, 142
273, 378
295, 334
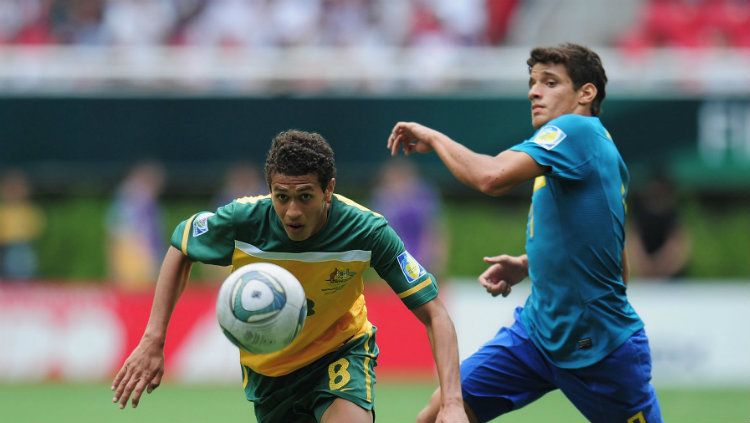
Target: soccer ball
261, 307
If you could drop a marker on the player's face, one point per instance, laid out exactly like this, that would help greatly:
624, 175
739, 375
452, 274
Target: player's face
551, 93
301, 204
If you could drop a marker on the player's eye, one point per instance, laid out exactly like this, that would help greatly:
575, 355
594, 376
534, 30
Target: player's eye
551, 84
282, 197
306, 197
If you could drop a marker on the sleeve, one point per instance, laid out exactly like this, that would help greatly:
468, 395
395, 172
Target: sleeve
403, 273
564, 145
207, 237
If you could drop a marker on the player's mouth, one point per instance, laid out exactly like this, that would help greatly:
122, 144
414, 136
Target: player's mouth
536, 108
295, 227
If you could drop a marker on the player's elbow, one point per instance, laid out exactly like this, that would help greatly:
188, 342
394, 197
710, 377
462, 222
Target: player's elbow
493, 185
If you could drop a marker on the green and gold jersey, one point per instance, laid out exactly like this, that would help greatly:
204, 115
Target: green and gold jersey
330, 265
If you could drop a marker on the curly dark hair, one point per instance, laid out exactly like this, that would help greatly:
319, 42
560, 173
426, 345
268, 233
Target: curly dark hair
296, 153
583, 66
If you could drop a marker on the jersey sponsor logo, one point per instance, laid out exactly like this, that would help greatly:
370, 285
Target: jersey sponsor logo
549, 136
338, 279
410, 267
200, 224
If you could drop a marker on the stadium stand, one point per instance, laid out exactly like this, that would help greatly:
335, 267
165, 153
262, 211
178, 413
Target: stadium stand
690, 24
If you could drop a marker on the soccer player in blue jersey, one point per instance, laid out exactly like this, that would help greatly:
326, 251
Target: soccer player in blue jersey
577, 331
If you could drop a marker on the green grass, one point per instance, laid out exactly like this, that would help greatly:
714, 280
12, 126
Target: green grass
397, 402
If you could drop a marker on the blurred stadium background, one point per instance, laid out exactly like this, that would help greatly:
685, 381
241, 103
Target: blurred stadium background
122, 117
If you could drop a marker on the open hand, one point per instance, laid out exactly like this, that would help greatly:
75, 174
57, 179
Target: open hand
504, 272
410, 137
143, 370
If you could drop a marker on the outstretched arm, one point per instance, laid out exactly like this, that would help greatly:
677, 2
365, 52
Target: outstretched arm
444, 344
492, 175
145, 366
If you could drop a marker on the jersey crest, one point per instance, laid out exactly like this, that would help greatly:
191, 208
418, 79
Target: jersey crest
549, 136
338, 279
200, 224
410, 267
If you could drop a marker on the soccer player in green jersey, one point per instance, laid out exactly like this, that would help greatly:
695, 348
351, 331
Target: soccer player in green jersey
327, 241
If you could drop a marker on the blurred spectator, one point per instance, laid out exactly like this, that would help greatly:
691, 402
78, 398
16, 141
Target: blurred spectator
546, 22
658, 244
413, 209
689, 24
124, 22
24, 22
21, 223
253, 23
78, 21
241, 23
134, 228
241, 180
499, 15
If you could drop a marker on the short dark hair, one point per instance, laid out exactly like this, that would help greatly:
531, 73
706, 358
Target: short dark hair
296, 153
583, 66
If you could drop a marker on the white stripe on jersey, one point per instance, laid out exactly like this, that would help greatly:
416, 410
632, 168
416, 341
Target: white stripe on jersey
310, 256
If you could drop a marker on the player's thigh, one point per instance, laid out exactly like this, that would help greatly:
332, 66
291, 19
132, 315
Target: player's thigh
282, 408
344, 411
305, 395
618, 388
350, 376
505, 374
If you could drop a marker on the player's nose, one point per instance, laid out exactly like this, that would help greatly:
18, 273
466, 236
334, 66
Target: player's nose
534, 92
293, 211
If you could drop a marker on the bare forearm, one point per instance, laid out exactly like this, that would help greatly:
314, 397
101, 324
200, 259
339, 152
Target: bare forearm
492, 175
445, 351
472, 169
444, 345
173, 277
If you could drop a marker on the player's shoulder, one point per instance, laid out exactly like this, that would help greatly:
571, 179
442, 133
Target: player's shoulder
253, 200
350, 209
571, 126
355, 217
244, 207
574, 123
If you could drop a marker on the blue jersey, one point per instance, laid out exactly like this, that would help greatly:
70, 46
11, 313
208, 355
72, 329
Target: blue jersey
577, 312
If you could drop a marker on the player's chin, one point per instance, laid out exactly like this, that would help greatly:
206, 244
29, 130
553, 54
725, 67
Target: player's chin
538, 121
297, 233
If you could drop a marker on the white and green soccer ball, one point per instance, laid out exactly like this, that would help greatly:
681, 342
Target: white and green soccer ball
261, 308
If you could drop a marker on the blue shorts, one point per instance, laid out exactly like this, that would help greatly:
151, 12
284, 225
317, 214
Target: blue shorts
509, 372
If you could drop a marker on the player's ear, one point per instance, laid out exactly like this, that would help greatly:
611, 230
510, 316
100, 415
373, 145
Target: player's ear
329, 189
587, 93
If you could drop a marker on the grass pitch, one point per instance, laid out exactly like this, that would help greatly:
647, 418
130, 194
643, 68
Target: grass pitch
397, 402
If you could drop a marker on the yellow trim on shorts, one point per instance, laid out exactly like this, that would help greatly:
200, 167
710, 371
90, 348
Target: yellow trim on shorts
415, 289
245, 377
637, 418
368, 378
186, 233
